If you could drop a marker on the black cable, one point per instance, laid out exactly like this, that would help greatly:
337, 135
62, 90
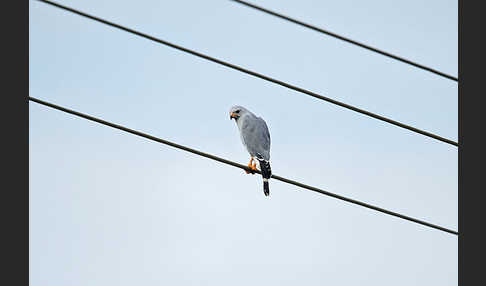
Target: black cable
234, 164
376, 116
345, 39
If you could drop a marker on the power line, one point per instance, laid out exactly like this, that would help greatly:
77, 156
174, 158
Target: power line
345, 39
234, 164
267, 78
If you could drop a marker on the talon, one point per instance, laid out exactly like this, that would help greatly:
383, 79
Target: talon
252, 166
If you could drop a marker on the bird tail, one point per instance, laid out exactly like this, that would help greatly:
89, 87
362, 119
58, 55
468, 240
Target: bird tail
266, 174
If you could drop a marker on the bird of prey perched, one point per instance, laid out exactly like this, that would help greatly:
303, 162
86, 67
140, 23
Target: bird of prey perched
256, 138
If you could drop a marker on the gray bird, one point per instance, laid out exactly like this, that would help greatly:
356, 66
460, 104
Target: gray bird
256, 138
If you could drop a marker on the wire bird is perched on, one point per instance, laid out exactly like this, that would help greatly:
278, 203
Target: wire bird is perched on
256, 138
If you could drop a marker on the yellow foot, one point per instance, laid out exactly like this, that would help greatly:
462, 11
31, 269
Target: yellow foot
252, 167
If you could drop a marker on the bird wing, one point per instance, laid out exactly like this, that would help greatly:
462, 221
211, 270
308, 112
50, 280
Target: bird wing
256, 137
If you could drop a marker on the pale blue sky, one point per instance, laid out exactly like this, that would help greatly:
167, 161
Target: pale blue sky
107, 207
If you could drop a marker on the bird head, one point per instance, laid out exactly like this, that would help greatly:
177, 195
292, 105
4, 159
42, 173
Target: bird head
236, 112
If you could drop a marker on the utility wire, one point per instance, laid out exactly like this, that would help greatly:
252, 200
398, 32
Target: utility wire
345, 39
234, 164
267, 78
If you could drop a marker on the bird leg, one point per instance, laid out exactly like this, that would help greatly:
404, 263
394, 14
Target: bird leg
249, 165
252, 166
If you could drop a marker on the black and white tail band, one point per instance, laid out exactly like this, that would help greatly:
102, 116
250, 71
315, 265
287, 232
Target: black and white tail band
266, 174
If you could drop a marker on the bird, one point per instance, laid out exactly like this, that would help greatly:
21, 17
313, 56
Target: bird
255, 137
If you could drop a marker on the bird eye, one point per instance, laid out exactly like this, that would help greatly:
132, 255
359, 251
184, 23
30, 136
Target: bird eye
237, 111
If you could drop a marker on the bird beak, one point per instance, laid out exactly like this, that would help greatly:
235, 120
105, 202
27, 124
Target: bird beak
232, 115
